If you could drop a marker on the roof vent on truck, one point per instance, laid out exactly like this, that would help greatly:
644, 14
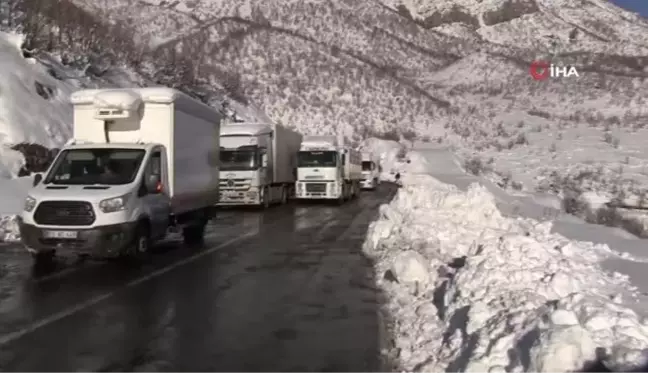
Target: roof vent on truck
76, 142
113, 104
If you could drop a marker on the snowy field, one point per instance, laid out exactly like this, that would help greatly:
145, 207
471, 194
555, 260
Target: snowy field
474, 288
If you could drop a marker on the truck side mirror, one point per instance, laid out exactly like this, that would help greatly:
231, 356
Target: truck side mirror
154, 184
37, 179
264, 160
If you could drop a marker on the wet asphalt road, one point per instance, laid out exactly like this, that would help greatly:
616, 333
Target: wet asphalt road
287, 289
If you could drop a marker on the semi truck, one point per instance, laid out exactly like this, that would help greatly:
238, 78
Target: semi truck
142, 163
370, 171
258, 164
326, 169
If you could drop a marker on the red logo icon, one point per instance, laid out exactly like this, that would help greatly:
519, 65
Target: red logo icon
539, 70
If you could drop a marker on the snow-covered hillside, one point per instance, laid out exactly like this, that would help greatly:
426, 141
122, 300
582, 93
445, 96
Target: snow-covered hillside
34, 105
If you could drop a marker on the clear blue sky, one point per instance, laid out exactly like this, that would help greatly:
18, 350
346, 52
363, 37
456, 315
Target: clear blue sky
639, 6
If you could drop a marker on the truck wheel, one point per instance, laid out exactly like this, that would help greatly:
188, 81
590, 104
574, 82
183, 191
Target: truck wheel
284, 195
266, 198
194, 235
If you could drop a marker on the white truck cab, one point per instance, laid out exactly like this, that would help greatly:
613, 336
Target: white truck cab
142, 161
370, 171
258, 163
327, 170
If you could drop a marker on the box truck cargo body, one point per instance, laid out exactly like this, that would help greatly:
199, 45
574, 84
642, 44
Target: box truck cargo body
370, 171
258, 163
327, 170
141, 162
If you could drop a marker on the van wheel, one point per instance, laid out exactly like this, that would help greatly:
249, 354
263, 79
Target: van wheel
138, 252
142, 243
194, 235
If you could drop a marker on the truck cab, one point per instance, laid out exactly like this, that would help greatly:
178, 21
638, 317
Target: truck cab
257, 163
370, 171
244, 160
93, 196
326, 170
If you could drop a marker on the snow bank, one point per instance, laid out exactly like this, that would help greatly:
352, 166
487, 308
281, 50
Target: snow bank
472, 290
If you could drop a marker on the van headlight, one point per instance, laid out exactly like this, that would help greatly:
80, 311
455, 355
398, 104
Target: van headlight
30, 203
114, 204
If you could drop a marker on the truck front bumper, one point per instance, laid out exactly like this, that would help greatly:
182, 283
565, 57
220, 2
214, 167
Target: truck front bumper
103, 241
368, 184
316, 195
237, 198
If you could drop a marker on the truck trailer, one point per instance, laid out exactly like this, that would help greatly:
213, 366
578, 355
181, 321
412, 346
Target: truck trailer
327, 169
142, 162
370, 171
258, 163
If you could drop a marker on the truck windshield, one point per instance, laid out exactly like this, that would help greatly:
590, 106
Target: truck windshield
238, 160
317, 159
96, 166
368, 166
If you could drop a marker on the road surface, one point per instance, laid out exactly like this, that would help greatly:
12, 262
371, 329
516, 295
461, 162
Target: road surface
287, 289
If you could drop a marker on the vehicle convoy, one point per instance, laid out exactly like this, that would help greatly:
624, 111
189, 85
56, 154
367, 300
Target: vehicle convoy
370, 171
142, 162
258, 163
327, 170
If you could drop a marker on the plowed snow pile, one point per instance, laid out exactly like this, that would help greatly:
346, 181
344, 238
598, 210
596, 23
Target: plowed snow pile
472, 290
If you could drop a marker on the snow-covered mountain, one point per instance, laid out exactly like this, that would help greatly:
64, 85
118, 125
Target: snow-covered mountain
417, 65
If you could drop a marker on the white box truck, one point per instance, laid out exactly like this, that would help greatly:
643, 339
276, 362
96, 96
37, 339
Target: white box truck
141, 162
370, 171
258, 163
327, 170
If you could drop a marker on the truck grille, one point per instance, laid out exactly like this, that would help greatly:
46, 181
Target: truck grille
239, 184
316, 187
64, 213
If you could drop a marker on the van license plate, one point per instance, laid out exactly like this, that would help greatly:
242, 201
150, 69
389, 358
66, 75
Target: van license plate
61, 234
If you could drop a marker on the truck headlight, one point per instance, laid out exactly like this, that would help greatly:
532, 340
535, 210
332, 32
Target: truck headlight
114, 204
30, 203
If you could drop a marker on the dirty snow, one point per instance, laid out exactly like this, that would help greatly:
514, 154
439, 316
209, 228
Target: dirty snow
473, 289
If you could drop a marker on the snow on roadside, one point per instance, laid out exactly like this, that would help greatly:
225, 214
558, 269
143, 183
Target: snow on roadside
472, 290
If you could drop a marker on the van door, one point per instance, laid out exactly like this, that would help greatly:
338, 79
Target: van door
158, 203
